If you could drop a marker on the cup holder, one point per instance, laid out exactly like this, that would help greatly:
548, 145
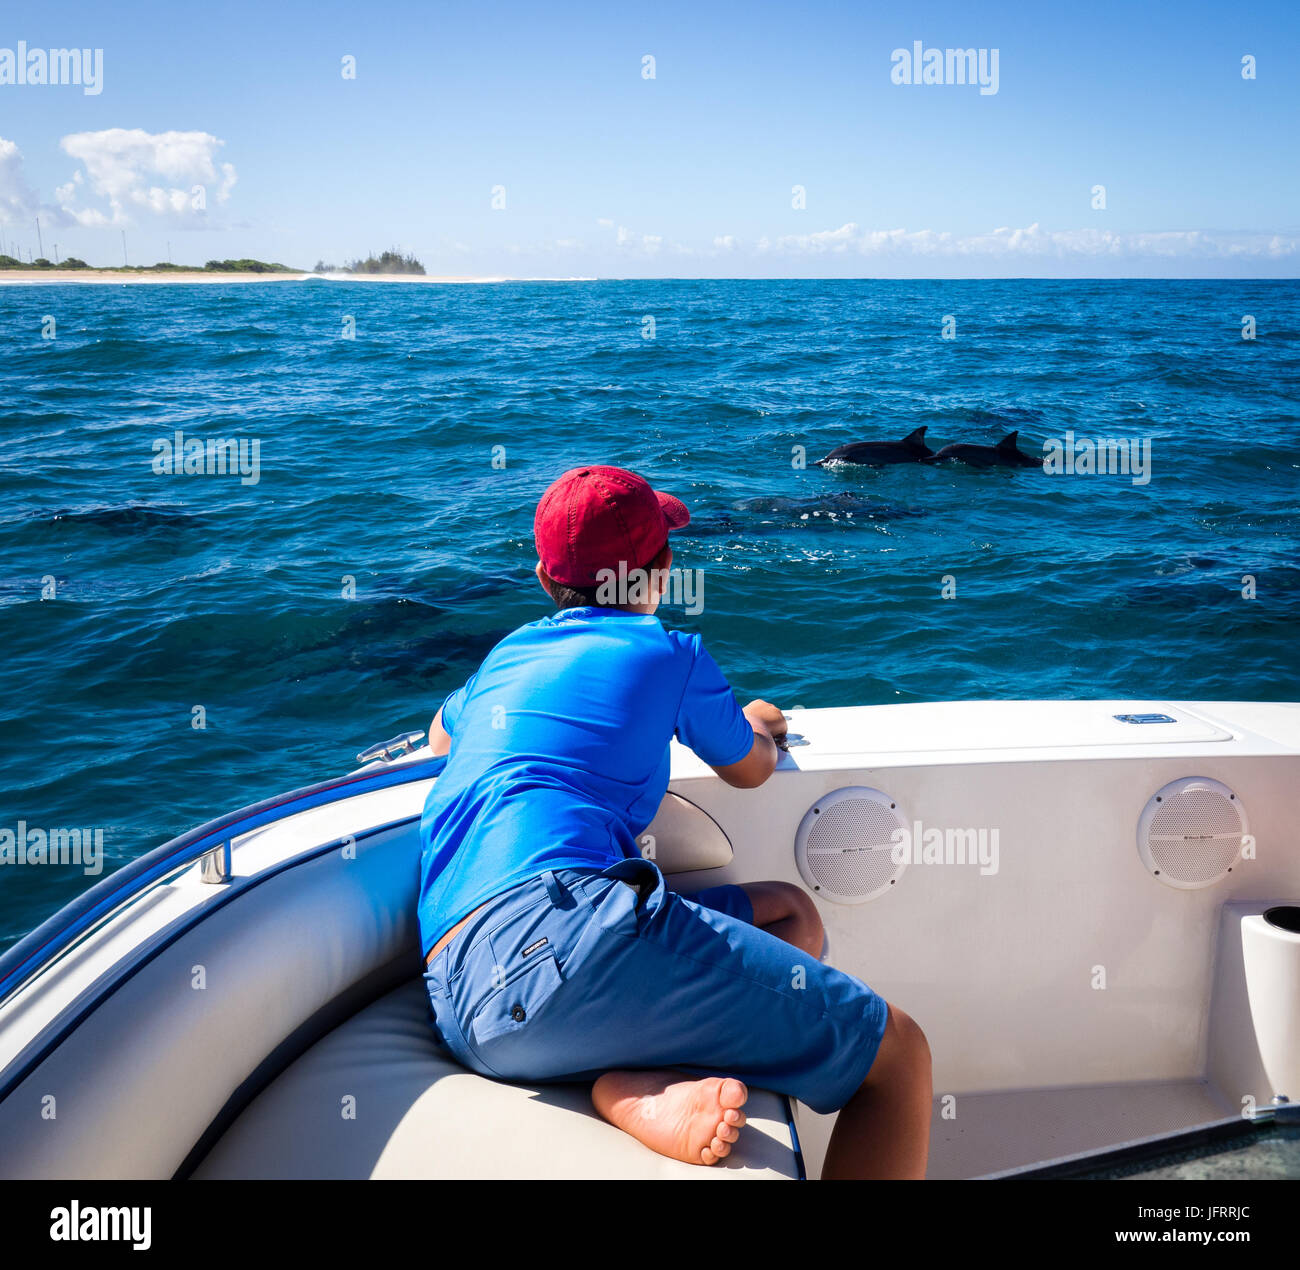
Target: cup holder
1284, 917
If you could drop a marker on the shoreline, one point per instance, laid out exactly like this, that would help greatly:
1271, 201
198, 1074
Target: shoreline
102, 277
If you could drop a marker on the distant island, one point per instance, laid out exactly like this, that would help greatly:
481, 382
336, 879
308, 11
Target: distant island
213, 266
390, 261
391, 266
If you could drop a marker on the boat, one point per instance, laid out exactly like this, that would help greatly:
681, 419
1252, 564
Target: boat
1091, 907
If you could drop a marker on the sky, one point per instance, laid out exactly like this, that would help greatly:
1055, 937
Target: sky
761, 140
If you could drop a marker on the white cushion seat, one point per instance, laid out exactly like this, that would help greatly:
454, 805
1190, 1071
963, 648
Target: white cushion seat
377, 1098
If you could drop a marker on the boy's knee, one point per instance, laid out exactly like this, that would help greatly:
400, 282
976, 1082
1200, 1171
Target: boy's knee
910, 1033
788, 911
801, 904
903, 1048
779, 901
804, 912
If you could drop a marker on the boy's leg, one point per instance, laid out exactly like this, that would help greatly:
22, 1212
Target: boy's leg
781, 909
640, 978
698, 1120
788, 912
884, 1129
882, 1132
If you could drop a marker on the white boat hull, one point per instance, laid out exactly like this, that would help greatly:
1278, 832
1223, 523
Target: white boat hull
1072, 999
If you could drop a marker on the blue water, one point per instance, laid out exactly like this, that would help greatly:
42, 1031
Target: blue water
376, 463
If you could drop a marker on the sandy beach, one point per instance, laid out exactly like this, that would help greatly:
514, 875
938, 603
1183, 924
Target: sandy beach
53, 277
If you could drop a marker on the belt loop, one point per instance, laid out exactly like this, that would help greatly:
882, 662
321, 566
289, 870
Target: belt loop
553, 888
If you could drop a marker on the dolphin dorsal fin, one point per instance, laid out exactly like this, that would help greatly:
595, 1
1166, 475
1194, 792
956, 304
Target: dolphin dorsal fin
1008, 442
915, 438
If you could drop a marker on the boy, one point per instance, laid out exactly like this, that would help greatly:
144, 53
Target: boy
554, 950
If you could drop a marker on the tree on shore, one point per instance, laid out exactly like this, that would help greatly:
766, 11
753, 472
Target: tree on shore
391, 261
243, 266
213, 266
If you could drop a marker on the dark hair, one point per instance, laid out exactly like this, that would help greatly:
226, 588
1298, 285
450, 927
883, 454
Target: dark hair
572, 597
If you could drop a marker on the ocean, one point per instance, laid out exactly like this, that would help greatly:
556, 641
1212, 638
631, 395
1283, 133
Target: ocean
377, 540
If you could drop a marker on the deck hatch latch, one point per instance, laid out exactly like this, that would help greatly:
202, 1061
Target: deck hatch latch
1145, 718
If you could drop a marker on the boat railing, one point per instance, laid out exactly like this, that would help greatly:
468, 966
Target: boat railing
209, 844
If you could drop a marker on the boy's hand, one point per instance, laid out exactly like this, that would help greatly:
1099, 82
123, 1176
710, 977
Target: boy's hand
764, 715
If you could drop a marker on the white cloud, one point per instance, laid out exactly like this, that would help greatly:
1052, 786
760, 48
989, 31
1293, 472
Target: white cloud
1032, 240
129, 174
637, 242
18, 201
126, 175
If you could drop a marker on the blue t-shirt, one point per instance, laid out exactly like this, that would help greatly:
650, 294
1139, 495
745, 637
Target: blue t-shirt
559, 753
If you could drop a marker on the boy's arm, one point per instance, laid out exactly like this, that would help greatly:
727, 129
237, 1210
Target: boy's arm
712, 723
444, 722
768, 723
439, 739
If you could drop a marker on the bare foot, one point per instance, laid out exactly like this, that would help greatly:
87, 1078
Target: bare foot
691, 1120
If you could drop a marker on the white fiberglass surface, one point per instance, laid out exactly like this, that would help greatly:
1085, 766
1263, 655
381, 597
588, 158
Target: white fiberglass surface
999, 725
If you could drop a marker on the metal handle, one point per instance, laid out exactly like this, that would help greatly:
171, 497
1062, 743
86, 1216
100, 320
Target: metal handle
387, 751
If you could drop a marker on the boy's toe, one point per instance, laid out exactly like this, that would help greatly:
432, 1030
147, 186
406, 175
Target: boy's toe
732, 1093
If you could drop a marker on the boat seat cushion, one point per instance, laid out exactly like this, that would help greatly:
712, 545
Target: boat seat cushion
378, 1098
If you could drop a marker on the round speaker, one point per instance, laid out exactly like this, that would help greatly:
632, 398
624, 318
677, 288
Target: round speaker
1190, 833
845, 845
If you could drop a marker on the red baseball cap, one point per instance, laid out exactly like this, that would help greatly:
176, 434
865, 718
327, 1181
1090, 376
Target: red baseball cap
593, 518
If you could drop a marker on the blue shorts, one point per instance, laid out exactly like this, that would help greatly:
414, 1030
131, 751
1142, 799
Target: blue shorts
574, 973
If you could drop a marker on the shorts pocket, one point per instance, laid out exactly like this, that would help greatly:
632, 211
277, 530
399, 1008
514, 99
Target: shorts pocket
619, 910
524, 995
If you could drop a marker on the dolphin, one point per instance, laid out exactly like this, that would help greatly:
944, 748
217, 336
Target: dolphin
124, 517
1004, 454
910, 449
842, 505
777, 514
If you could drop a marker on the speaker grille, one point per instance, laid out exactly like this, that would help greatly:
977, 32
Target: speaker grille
844, 846
1190, 833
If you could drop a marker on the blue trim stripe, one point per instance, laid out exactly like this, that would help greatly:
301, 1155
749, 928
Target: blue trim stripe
53, 936
123, 971
794, 1138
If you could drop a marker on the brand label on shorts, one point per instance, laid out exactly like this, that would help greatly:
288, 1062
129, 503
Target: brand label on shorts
532, 948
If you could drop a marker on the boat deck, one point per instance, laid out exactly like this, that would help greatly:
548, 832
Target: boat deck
975, 1135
